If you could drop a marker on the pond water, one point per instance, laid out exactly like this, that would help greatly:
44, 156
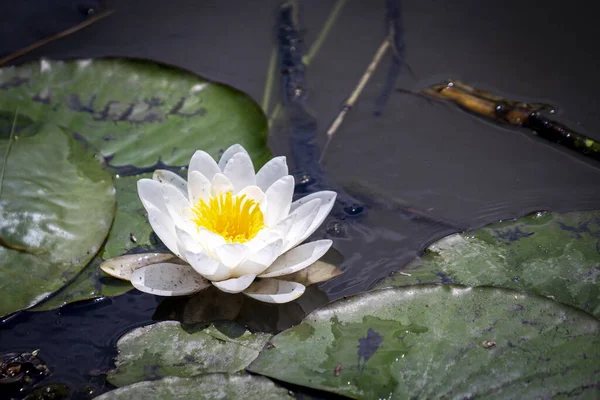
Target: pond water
418, 172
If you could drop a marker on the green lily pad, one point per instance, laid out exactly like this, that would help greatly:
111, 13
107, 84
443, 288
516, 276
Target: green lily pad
440, 341
130, 229
205, 387
170, 349
130, 222
136, 112
554, 255
91, 283
57, 205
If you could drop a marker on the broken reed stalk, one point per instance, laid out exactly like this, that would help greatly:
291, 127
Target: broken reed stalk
52, 38
515, 113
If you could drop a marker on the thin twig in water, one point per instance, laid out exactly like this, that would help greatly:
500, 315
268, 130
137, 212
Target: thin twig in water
52, 38
8, 146
270, 78
356, 92
316, 46
314, 49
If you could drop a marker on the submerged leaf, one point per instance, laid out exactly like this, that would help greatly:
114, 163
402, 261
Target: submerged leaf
438, 342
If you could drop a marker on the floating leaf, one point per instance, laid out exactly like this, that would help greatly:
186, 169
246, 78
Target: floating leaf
170, 349
138, 115
136, 112
554, 255
57, 205
91, 283
130, 228
205, 387
440, 342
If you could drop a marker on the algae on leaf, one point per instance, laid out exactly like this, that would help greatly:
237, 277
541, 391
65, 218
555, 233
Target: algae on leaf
57, 206
440, 341
171, 349
205, 387
554, 255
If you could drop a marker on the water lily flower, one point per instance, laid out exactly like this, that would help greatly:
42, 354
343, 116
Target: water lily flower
231, 227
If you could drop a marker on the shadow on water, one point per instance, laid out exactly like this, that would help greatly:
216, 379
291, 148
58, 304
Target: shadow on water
385, 214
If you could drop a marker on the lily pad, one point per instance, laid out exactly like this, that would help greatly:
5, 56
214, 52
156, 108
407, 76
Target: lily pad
205, 387
130, 228
57, 206
136, 112
554, 255
440, 341
170, 349
138, 115
91, 283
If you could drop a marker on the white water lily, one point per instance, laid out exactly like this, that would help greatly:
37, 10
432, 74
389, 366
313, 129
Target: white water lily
231, 226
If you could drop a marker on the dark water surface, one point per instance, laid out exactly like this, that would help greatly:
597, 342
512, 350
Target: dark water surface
461, 171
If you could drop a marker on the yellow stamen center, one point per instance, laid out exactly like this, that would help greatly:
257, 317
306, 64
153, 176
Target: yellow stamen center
235, 218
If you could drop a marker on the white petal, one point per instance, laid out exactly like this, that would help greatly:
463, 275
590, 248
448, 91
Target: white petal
274, 291
231, 254
179, 208
240, 171
188, 242
202, 162
123, 266
254, 193
297, 258
210, 240
327, 201
273, 170
227, 154
259, 261
221, 184
170, 178
207, 266
305, 215
150, 193
198, 187
167, 279
163, 226
262, 238
279, 200
235, 285
284, 226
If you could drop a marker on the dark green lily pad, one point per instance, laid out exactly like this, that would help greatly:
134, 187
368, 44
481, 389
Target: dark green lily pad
440, 341
136, 112
57, 205
91, 283
130, 229
170, 349
205, 387
554, 255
